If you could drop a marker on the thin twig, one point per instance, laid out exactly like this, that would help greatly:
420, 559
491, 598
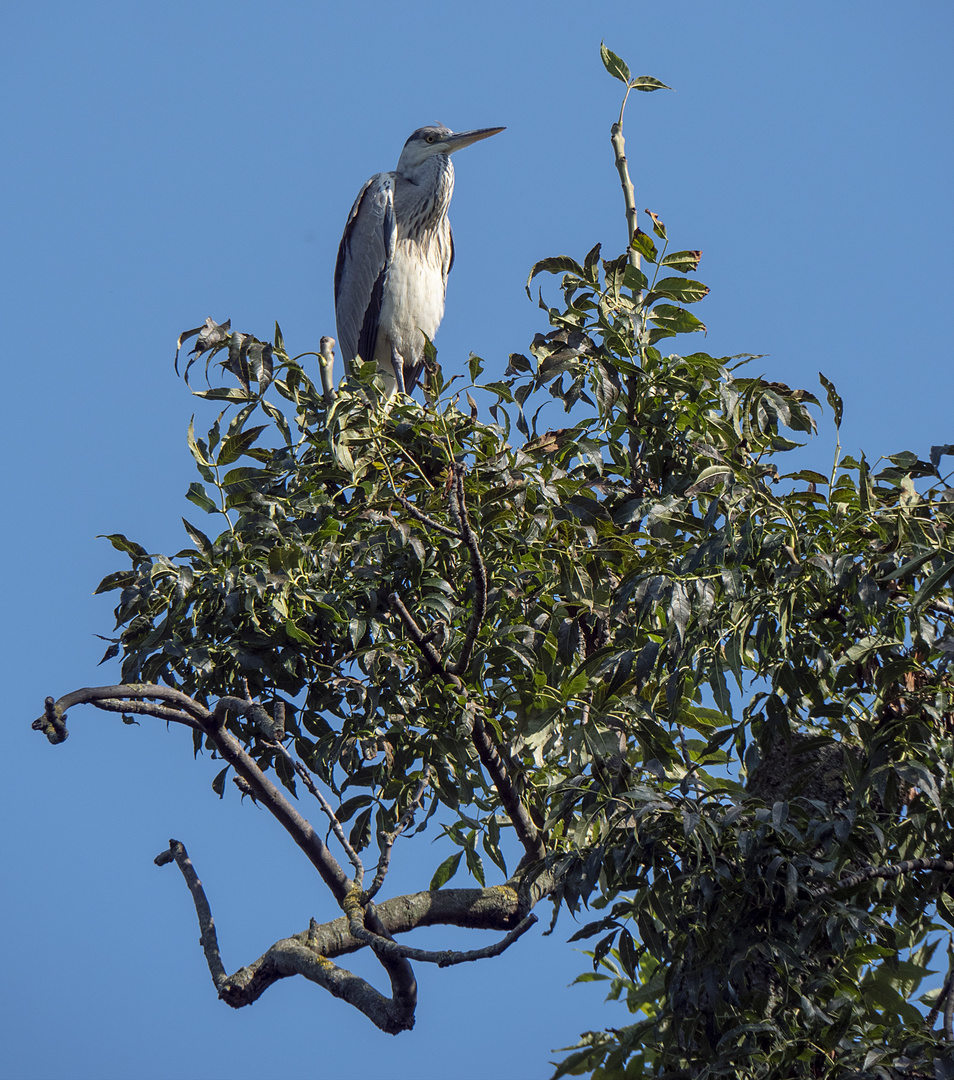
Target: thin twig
458, 509
386, 840
326, 807
426, 519
210, 945
431, 655
149, 708
949, 1015
445, 958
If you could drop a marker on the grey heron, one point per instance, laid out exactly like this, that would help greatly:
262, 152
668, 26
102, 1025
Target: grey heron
395, 255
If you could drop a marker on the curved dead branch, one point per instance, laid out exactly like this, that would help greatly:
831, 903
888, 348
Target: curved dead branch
505, 908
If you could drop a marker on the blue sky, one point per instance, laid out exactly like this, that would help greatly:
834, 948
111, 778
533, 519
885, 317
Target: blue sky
168, 162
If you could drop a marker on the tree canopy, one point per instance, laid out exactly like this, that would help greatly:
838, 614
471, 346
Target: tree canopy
640, 666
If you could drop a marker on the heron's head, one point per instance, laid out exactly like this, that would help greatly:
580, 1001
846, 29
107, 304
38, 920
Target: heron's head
428, 142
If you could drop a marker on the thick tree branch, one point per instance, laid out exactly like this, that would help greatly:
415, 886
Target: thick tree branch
443, 958
493, 762
291, 957
294, 957
500, 907
308, 953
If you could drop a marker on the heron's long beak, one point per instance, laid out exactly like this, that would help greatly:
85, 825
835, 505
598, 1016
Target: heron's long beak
460, 139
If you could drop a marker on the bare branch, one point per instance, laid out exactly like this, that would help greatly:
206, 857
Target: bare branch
629, 195
292, 957
944, 866
326, 368
208, 940
52, 723
227, 746
499, 907
149, 708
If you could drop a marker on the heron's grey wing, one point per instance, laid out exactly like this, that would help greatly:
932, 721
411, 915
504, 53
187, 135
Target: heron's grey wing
364, 258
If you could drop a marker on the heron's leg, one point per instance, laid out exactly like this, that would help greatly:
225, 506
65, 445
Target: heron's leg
397, 363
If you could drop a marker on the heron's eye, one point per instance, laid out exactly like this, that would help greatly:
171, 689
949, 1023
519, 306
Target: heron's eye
430, 138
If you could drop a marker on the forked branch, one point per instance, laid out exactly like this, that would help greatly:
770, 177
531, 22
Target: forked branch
294, 956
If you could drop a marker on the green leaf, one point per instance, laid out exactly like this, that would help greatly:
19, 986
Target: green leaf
195, 448
245, 478
628, 955
837, 405
937, 452
299, 635
119, 580
347, 809
647, 84
475, 865
556, 264
643, 245
658, 227
445, 871
225, 393
909, 567
198, 537
198, 495
218, 784
933, 584
235, 444
684, 261
120, 543
704, 720
360, 835
684, 290
614, 65
675, 320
